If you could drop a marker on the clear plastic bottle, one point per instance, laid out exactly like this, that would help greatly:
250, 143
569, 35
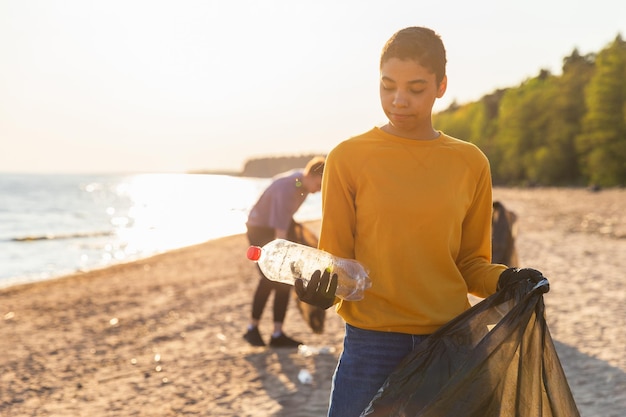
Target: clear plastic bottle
285, 261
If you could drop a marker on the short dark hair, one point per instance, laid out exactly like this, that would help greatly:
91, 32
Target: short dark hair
419, 44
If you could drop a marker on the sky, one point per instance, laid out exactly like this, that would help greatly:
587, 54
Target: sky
173, 86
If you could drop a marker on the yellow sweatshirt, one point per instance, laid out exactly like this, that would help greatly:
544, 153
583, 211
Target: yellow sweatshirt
417, 214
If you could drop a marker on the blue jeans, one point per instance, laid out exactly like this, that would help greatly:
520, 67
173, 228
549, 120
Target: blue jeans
367, 359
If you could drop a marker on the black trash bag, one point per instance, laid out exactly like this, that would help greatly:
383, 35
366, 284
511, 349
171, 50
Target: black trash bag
495, 359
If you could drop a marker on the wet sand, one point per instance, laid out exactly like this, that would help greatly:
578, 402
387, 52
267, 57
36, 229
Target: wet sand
162, 336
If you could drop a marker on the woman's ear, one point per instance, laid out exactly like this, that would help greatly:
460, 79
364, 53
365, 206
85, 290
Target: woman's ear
443, 85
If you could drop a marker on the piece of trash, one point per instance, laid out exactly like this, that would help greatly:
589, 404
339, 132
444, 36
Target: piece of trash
305, 377
306, 351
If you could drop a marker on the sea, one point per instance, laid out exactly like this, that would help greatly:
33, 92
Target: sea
57, 224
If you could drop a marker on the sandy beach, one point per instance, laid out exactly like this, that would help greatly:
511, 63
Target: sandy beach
162, 336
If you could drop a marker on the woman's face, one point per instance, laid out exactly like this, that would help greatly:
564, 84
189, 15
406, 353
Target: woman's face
407, 94
314, 184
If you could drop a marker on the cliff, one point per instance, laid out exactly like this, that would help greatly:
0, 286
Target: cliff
264, 167
270, 166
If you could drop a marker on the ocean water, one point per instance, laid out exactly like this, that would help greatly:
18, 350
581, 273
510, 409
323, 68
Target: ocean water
52, 225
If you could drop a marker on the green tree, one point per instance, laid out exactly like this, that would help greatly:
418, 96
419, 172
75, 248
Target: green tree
556, 160
602, 144
475, 122
522, 123
455, 120
553, 130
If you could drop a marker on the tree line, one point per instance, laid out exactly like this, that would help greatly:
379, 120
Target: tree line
558, 130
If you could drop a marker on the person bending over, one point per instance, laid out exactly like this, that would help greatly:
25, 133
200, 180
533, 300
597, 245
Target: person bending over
272, 218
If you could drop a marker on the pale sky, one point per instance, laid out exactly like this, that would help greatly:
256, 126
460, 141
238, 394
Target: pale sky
171, 86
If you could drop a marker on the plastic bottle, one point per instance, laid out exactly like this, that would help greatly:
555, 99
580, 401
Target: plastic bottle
285, 261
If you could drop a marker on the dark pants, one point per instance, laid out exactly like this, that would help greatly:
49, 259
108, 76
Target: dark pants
259, 236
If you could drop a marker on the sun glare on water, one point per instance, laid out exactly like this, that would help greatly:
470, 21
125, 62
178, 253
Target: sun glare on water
173, 210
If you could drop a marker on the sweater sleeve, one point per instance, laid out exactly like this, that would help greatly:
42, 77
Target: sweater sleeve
474, 259
338, 207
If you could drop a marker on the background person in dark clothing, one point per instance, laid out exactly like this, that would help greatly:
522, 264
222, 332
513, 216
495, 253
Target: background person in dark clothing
272, 218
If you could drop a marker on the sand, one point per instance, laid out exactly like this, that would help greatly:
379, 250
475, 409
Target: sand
162, 336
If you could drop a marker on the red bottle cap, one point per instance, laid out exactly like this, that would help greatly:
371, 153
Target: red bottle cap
254, 253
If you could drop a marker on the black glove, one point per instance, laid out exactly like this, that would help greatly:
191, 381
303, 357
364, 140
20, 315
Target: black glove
513, 276
320, 290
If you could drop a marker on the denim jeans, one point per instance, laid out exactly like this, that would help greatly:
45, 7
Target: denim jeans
367, 359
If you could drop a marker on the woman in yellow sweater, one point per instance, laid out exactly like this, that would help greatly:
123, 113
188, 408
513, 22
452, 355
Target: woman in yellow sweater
414, 206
